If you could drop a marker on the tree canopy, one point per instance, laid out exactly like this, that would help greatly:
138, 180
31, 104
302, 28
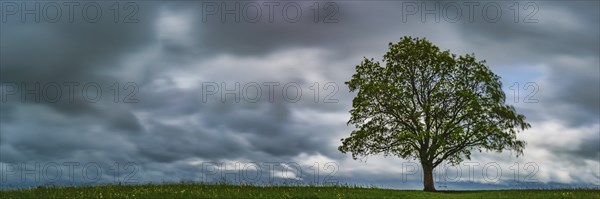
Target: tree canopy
430, 105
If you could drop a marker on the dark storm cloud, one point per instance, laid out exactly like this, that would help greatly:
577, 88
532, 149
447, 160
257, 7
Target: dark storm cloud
589, 149
573, 34
216, 130
67, 131
44, 52
335, 28
576, 85
78, 52
261, 127
270, 32
168, 143
49, 135
569, 33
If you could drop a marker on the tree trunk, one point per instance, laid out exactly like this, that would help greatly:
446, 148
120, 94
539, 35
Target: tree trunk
428, 177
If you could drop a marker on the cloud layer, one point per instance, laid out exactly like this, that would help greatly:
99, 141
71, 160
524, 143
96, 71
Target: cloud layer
176, 49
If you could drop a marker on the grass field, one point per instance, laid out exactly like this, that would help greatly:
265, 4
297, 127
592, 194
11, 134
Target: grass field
246, 191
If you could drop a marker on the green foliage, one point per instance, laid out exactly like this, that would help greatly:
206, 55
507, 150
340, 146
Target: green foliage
431, 105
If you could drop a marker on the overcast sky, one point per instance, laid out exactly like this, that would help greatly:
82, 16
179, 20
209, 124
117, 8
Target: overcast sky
166, 71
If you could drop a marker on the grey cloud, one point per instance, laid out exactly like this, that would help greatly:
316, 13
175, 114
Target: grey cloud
167, 143
588, 150
577, 86
170, 126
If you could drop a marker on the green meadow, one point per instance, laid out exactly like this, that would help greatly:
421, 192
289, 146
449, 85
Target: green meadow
248, 191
